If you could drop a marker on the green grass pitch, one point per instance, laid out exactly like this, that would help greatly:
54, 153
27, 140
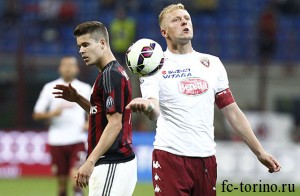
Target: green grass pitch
47, 187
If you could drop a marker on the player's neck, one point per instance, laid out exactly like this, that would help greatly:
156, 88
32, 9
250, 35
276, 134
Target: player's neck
180, 48
68, 80
107, 58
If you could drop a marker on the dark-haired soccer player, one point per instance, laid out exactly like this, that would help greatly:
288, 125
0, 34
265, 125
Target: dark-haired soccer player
181, 96
111, 167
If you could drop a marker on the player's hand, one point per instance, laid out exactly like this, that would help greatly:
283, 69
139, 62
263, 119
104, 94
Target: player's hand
83, 175
270, 162
68, 93
140, 105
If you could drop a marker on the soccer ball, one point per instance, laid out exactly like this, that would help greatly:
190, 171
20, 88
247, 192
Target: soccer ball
144, 57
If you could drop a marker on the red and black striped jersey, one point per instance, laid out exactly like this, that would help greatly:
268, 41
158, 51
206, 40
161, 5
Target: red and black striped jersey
111, 93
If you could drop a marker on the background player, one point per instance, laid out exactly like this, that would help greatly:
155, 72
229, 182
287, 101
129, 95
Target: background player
111, 167
184, 147
67, 124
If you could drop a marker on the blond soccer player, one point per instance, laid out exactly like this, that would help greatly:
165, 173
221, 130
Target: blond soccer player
181, 97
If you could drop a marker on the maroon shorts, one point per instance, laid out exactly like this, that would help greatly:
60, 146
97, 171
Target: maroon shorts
183, 176
66, 157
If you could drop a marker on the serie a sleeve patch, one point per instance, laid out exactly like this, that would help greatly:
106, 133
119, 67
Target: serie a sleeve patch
224, 98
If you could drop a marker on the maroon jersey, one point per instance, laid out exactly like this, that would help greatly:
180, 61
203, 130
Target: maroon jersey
111, 93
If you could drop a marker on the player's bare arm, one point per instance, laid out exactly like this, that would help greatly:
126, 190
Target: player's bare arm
69, 93
240, 124
47, 115
149, 107
108, 137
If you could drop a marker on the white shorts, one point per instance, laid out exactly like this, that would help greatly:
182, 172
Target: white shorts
115, 179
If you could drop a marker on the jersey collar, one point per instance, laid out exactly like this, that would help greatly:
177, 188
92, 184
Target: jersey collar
109, 64
61, 80
168, 53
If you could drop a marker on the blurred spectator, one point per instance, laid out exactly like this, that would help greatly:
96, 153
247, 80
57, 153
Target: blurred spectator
52, 14
193, 5
207, 6
288, 6
267, 32
132, 5
48, 11
267, 43
67, 12
123, 31
108, 4
50, 34
159, 4
11, 12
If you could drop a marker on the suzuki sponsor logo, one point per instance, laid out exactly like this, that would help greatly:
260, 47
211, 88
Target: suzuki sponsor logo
192, 86
179, 73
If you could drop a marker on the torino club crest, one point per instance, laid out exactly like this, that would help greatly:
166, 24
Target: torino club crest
205, 61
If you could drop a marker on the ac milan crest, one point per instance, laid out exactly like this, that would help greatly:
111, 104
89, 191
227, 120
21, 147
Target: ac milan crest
205, 61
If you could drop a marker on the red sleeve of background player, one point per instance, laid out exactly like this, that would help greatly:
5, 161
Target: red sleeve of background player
224, 98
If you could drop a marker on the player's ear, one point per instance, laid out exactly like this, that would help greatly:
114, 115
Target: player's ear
102, 43
163, 33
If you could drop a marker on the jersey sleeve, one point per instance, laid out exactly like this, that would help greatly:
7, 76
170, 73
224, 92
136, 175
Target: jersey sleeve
43, 101
114, 92
222, 82
223, 96
149, 87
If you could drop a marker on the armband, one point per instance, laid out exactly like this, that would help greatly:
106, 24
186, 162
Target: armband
224, 98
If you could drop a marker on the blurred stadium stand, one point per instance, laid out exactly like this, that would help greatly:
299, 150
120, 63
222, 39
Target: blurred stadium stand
30, 47
225, 33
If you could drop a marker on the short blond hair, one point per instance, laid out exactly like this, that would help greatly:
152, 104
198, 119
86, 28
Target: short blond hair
169, 9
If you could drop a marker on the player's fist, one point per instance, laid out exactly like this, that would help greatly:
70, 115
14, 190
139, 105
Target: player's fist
270, 162
140, 105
